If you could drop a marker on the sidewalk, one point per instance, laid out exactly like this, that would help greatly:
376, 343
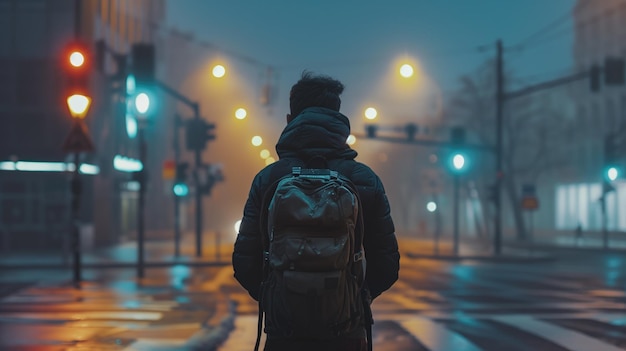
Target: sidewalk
174, 307
470, 250
157, 253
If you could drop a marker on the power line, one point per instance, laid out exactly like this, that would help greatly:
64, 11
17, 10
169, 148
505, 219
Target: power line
544, 30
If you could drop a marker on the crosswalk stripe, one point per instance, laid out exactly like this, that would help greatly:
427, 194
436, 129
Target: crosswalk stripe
616, 319
569, 339
436, 336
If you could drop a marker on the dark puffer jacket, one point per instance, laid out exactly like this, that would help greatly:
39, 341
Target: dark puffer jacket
320, 132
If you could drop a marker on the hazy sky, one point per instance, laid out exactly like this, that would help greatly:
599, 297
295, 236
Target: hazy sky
357, 42
341, 36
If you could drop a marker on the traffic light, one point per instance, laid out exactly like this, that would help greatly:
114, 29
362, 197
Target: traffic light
611, 158
77, 62
458, 159
142, 76
143, 64
594, 78
411, 130
457, 136
370, 130
614, 71
180, 187
197, 133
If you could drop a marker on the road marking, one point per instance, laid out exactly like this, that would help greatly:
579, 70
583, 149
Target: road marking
569, 339
78, 316
614, 319
220, 279
156, 345
436, 336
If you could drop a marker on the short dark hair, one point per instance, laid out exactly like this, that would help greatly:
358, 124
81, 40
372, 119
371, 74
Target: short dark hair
315, 91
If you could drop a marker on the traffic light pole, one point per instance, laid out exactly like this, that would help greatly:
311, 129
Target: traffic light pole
76, 191
198, 162
497, 237
456, 214
141, 206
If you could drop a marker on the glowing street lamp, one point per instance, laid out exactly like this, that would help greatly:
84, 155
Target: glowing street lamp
406, 70
218, 71
241, 113
257, 140
371, 113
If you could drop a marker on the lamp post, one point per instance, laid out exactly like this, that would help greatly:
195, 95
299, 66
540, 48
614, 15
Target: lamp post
77, 141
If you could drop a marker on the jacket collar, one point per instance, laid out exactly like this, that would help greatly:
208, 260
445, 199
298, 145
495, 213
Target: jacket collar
316, 131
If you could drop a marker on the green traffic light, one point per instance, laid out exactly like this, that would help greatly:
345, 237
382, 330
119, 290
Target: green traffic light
612, 173
181, 189
458, 162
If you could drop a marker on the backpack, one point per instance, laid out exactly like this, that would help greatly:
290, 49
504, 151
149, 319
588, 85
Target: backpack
314, 265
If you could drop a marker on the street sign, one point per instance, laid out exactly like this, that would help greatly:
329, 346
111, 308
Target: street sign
528, 189
78, 140
530, 203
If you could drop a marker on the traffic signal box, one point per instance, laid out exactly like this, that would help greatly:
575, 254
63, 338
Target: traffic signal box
143, 64
197, 133
142, 74
610, 151
77, 65
613, 71
180, 187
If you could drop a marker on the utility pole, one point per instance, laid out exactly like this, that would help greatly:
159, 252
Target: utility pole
497, 238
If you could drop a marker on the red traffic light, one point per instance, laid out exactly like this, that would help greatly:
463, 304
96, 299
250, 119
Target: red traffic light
77, 67
76, 58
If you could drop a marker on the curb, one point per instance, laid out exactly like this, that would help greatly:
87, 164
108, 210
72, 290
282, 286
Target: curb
483, 258
209, 338
113, 265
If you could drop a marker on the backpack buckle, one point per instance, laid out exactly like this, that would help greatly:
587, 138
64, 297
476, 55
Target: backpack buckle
296, 171
358, 256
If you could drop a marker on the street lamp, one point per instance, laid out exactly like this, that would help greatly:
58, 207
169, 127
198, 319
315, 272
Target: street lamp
218, 71
406, 70
256, 140
241, 113
371, 113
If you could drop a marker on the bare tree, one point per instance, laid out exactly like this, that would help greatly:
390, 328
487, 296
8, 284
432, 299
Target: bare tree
536, 132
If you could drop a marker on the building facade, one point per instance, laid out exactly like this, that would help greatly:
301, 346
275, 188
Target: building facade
598, 34
34, 178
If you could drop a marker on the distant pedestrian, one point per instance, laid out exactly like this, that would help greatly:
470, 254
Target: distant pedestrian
579, 233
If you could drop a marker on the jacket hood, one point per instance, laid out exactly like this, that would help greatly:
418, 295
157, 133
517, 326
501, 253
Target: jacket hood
316, 131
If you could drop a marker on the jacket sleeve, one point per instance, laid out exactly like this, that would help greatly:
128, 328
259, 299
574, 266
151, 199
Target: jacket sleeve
248, 252
380, 243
